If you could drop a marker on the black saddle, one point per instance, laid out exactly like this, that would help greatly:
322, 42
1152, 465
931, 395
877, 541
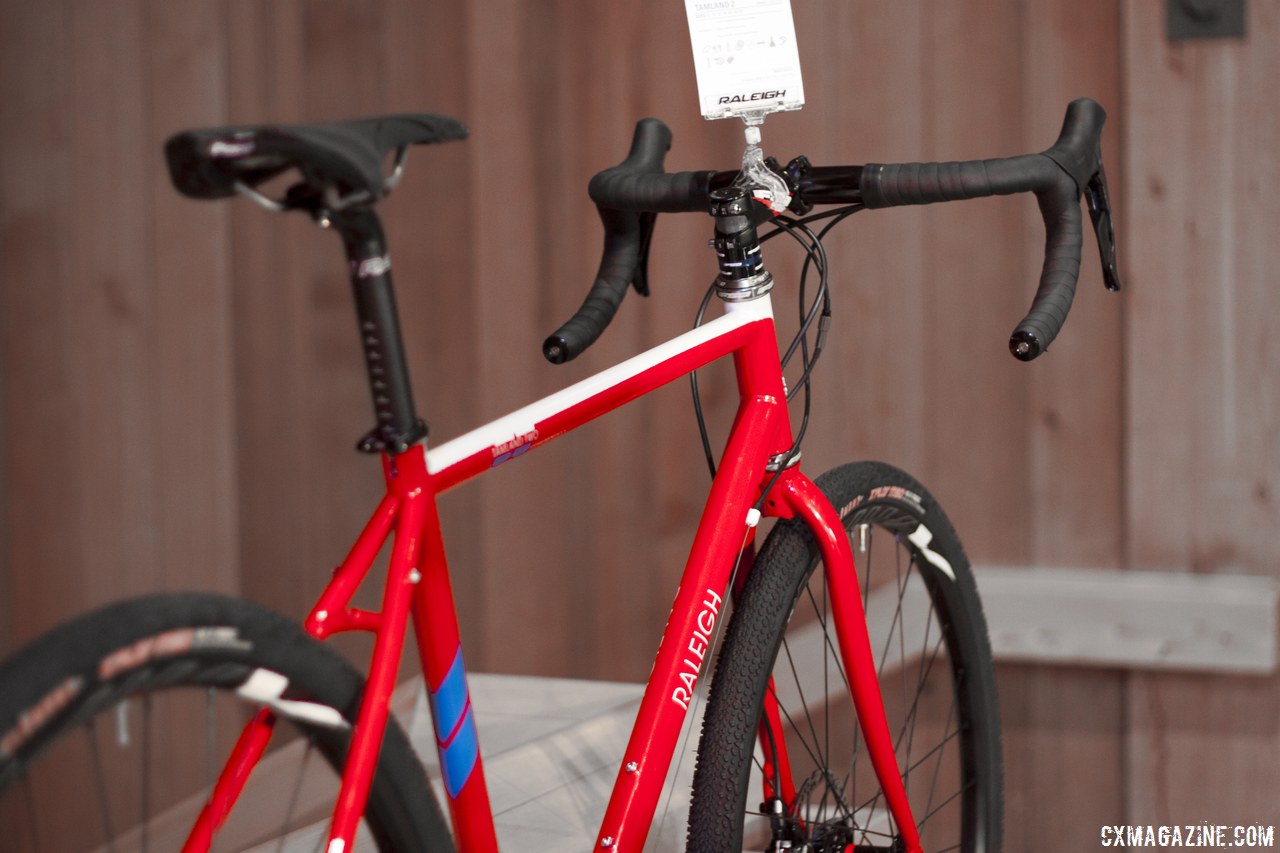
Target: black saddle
343, 160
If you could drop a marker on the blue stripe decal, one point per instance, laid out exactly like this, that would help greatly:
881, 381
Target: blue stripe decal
458, 759
450, 699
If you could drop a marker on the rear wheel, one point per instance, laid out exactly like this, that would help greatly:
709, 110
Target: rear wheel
935, 670
114, 727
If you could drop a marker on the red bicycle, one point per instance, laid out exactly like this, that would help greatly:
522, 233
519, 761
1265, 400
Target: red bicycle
852, 708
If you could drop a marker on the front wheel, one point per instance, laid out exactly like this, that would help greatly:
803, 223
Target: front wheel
806, 783
114, 727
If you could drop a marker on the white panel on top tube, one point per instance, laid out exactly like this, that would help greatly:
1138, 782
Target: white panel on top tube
523, 421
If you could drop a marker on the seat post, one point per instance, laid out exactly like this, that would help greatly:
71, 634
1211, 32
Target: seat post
398, 426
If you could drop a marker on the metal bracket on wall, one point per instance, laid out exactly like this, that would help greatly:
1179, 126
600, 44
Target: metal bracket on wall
1204, 19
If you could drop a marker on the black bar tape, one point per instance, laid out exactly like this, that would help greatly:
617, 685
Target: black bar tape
677, 192
1058, 277
636, 185
926, 183
617, 267
638, 182
1056, 176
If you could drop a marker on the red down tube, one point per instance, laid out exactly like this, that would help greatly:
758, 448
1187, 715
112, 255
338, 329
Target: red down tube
697, 608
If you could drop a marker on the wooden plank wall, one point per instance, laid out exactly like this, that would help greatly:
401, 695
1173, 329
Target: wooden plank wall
182, 387
1201, 451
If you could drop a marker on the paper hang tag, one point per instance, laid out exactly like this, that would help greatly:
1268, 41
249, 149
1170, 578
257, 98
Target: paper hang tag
744, 52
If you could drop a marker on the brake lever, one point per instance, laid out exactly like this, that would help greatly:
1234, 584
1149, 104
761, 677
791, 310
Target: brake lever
640, 281
1099, 201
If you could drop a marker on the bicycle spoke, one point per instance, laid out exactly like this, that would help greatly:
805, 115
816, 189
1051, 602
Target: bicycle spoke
799, 737
31, 811
828, 643
795, 677
902, 647
937, 767
897, 617
826, 688
829, 781
99, 777
945, 802
942, 745
145, 760
820, 763
911, 711
910, 718
287, 821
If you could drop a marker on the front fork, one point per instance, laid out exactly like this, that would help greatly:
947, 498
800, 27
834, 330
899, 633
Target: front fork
796, 496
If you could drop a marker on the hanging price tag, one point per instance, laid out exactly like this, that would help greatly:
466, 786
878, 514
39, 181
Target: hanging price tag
745, 55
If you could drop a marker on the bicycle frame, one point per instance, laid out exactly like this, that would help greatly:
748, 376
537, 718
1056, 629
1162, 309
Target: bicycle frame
418, 584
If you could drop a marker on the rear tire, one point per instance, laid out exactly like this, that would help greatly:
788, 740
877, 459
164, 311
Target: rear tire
936, 674
109, 734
